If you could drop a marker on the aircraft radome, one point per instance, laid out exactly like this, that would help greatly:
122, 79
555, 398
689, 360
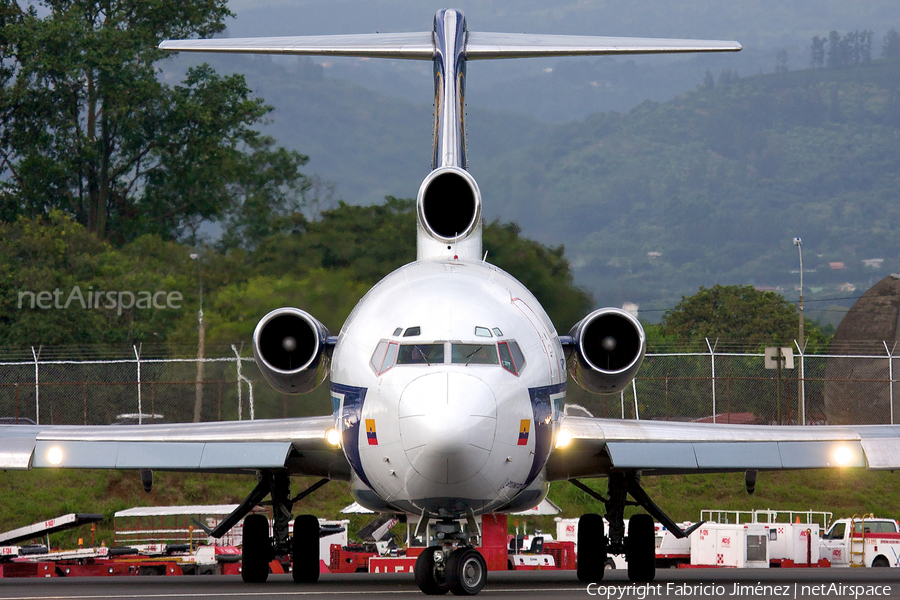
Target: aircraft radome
448, 379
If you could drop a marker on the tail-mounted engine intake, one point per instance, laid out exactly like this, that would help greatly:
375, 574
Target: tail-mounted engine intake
609, 347
449, 215
290, 348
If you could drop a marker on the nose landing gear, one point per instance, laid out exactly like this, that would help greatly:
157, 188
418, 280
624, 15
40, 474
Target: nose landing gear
454, 566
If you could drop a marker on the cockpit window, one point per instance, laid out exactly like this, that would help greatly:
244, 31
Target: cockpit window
420, 354
511, 357
398, 331
474, 354
482, 332
497, 332
383, 357
412, 331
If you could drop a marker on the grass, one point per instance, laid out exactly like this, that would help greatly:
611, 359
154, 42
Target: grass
30, 496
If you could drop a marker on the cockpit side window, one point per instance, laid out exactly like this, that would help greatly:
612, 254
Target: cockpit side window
383, 357
482, 332
506, 359
517, 355
421, 354
474, 354
378, 357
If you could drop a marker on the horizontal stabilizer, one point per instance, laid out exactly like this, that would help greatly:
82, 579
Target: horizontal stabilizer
417, 46
525, 45
420, 46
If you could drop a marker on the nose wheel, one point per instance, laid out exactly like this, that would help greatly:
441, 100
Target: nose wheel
466, 572
463, 572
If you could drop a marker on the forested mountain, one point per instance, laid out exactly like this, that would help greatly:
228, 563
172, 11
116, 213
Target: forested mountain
712, 186
651, 204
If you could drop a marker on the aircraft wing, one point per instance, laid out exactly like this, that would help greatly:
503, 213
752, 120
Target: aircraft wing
298, 445
599, 446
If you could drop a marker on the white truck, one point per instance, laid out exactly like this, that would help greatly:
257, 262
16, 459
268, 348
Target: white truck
862, 542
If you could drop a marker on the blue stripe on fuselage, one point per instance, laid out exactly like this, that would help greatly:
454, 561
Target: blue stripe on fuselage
351, 417
542, 408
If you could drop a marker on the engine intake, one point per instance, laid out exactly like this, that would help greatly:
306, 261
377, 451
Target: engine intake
289, 345
609, 349
449, 204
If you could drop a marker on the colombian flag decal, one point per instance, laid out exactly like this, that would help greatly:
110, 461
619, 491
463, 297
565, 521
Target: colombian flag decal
370, 432
524, 427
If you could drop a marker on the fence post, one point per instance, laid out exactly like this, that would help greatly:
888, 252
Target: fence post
37, 388
622, 400
137, 360
802, 384
891, 375
712, 355
637, 415
241, 377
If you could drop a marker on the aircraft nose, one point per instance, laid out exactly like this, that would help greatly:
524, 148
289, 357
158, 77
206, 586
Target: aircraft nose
447, 424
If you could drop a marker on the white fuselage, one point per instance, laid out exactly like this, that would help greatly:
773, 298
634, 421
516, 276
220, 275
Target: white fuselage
442, 426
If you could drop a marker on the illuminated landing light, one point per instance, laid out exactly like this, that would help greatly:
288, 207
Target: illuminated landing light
333, 437
54, 455
563, 438
843, 455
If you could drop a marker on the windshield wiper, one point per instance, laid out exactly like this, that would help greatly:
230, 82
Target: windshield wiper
469, 357
422, 354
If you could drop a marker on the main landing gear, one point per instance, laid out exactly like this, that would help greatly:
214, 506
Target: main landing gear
639, 546
258, 548
453, 566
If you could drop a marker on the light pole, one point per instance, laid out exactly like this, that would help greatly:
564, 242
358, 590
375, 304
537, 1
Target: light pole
201, 341
799, 243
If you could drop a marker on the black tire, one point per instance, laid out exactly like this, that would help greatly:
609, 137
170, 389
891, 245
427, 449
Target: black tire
429, 580
881, 561
305, 550
640, 549
609, 565
256, 550
591, 558
466, 572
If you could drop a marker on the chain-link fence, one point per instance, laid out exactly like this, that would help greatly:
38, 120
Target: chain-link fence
710, 386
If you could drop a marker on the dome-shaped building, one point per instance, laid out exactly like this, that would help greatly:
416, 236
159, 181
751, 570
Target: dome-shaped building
858, 390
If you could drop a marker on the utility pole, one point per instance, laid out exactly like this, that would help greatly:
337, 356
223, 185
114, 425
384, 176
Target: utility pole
799, 243
201, 342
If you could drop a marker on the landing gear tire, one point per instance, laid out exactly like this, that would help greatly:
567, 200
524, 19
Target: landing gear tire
640, 549
305, 549
256, 550
466, 572
591, 549
429, 579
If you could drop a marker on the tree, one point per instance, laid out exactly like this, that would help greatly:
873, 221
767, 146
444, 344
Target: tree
61, 285
372, 241
87, 127
818, 52
738, 312
891, 46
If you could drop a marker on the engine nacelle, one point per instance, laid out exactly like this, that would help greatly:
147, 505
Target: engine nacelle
449, 216
289, 345
609, 349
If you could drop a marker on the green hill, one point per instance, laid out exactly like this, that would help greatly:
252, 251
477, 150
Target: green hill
712, 186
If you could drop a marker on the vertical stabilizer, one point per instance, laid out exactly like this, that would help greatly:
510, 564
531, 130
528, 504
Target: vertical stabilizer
449, 89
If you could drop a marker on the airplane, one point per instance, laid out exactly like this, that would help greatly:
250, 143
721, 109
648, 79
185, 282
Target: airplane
448, 379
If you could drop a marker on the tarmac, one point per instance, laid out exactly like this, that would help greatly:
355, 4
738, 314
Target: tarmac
693, 584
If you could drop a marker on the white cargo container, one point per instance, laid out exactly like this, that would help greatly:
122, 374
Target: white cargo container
728, 545
794, 544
